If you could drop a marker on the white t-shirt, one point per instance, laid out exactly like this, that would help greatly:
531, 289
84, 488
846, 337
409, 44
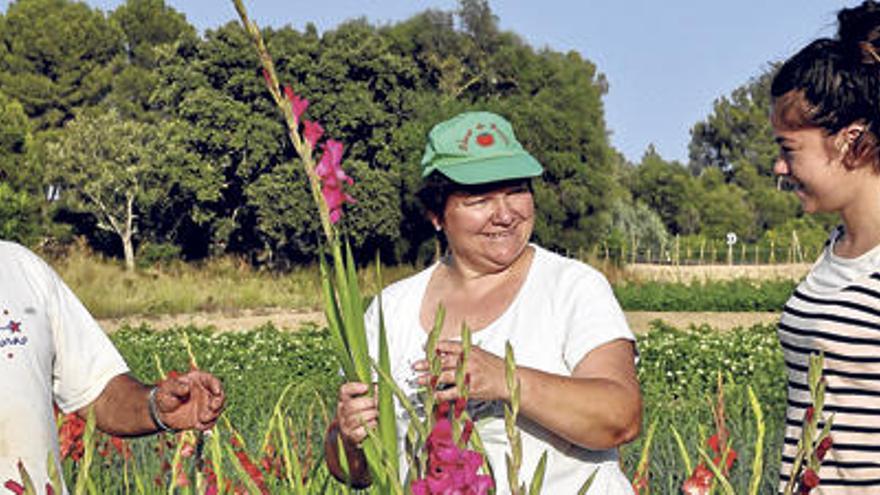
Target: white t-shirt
563, 310
51, 350
831, 272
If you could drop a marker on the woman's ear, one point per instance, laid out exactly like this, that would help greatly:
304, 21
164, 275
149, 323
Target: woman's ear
850, 134
435, 221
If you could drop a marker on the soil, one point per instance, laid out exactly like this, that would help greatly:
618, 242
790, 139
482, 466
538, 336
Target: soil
292, 320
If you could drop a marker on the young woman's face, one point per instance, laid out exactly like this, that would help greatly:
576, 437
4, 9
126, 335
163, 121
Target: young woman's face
810, 161
489, 230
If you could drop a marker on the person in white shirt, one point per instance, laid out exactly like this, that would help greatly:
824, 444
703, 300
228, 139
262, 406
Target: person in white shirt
575, 354
53, 352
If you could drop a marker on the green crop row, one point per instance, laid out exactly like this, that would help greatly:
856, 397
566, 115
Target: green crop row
732, 295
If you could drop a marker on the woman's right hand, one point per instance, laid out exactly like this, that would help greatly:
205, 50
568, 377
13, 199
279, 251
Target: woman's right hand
356, 411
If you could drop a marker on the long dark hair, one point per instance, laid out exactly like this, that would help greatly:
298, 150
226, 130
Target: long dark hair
834, 82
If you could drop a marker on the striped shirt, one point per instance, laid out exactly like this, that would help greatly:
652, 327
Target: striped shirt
844, 323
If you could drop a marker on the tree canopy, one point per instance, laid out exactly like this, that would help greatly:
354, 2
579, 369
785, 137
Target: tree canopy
136, 104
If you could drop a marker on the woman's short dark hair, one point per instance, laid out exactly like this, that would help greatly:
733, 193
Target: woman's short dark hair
436, 189
834, 82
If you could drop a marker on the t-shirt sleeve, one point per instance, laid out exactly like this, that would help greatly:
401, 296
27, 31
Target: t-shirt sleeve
594, 316
85, 358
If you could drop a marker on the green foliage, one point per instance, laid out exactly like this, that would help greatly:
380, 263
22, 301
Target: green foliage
254, 366
56, 55
677, 370
733, 295
18, 215
379, 89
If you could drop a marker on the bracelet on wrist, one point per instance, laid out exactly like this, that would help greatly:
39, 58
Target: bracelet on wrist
154, 411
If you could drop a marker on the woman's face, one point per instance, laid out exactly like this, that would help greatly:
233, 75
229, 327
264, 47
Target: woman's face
810, 161
489, 230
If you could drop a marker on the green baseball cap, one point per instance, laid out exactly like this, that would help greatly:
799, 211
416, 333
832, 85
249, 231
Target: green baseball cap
476, 148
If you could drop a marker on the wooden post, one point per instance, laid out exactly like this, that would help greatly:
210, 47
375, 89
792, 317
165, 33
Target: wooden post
677, 250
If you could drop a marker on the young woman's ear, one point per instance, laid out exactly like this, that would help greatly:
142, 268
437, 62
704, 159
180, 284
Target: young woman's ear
851, 133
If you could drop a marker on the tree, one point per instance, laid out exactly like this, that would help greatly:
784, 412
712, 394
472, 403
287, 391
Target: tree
737, 132
146, 25
116, 170
56, 56
668, 189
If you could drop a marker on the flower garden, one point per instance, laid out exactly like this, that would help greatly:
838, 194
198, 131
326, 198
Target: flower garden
282, 390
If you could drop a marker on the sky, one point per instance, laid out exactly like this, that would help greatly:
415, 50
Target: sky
666, 61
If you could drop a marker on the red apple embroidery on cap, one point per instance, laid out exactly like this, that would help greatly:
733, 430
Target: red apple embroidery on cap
485, 140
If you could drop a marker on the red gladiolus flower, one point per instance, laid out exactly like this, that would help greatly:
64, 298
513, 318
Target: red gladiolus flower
460, 404
824, 447
253, 471
297, 104
451, 471
70, 437
699, 482
442, 410
312, 131
809, 480
808, 414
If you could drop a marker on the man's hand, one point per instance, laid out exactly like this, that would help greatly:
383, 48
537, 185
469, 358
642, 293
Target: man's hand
190, 401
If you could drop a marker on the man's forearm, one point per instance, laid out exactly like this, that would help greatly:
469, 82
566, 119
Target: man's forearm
122, 408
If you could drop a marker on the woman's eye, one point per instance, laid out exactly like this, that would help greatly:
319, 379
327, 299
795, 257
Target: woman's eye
475, 201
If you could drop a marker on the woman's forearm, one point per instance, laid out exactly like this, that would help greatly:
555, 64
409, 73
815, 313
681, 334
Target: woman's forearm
593, 412
358, 473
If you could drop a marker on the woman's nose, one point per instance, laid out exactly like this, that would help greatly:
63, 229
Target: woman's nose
503, 213
780, 167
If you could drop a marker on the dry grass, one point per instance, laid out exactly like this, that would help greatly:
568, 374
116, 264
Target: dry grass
707, 273
220, 285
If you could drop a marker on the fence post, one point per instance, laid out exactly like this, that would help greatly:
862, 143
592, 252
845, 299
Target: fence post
677, 250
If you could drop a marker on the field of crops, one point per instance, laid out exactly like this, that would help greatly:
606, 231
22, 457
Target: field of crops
285, 382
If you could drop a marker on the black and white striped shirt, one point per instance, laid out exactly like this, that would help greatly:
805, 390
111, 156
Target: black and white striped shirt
844, 323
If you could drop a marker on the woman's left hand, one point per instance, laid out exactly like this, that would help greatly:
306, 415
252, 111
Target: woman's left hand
484, 372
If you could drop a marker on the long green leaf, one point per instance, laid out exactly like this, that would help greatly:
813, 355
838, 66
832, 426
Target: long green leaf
587, 484
334, 323
387, 415
355, 328
688, 466
538, 476
758, 462
84, 482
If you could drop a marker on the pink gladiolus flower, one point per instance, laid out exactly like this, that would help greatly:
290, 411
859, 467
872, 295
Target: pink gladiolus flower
14, 487
451, 471
312, 132
332, 178
299, 105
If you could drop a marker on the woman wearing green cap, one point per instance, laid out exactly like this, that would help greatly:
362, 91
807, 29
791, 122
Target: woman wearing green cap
580, 396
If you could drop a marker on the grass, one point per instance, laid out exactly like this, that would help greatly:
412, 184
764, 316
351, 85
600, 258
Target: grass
222, 284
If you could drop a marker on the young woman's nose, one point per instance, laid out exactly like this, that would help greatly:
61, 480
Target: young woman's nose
780, 167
